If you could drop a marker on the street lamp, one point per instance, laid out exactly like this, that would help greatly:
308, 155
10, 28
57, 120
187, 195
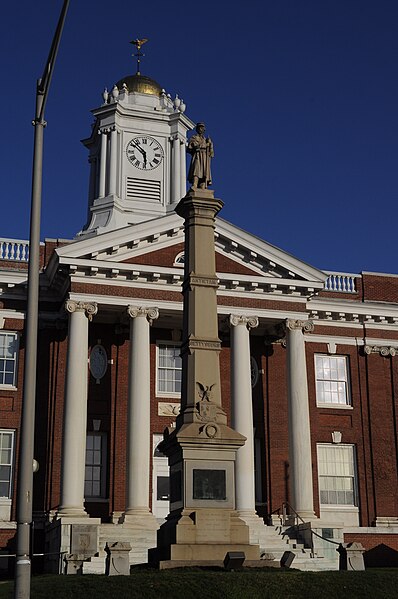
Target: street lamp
25, 470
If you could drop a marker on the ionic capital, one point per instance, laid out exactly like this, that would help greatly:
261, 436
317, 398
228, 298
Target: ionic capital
307, 326
89, 308
251, 322
150, 314
383, 350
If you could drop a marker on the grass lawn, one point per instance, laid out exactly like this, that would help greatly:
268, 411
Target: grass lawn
195, 583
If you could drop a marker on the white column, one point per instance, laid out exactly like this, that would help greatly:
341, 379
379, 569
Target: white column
242, 411
138, 424
183, 169
175, 181
93, 177
300, 458
75, 410
113, 162
102, 173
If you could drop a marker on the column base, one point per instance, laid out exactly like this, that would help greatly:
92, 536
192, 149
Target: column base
139, 518
71, 512
306, 515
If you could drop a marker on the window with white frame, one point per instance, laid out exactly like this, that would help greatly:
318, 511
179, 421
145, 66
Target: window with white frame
6, 462
337, 474
8, 359
169, 369
332, 386
94, 482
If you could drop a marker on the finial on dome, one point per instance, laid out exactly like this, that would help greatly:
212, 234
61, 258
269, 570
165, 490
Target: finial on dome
139, 43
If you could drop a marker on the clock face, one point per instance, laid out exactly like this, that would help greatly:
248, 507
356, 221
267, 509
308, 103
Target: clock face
144, 152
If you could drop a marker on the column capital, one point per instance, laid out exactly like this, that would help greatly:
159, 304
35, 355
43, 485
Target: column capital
150, 314
307, 326
89, 308
250, 322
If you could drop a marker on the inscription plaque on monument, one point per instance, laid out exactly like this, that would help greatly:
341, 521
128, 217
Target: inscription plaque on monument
209, 484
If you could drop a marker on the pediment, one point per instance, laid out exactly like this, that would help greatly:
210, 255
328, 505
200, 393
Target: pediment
157, 243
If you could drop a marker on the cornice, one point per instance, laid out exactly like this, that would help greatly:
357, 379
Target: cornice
121, 273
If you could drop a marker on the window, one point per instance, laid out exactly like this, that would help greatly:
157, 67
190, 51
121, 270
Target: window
337, 478
332, 380
169, 369
94, 483
6, 462
8, 358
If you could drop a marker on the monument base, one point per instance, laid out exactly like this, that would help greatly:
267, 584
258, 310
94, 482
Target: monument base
202, 535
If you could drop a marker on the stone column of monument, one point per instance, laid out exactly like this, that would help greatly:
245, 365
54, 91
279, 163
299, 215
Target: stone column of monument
138, 423
75, 412
300, 458
203, 524
242, 419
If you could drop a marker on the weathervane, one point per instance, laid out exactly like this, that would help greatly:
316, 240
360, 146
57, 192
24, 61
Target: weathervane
139, 43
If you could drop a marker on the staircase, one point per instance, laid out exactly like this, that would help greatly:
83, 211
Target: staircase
277, 539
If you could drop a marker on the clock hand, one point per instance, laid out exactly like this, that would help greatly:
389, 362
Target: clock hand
140, 150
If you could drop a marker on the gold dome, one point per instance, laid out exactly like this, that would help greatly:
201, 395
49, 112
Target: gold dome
140, 84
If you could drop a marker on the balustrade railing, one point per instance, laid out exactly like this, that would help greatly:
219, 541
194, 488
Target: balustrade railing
14, 249
341, 282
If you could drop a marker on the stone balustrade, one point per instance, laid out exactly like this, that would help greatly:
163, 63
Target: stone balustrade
340, 282
14, 249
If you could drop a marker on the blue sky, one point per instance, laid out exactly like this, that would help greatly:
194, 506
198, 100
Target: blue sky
299, 96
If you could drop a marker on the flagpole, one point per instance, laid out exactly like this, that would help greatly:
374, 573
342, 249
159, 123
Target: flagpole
26, 446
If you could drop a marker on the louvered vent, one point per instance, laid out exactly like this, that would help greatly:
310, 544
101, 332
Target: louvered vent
140, 189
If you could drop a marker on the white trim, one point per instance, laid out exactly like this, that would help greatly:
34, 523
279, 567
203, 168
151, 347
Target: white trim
371, 530
336, 324
352, 307
383, 342
12, 314
314, 338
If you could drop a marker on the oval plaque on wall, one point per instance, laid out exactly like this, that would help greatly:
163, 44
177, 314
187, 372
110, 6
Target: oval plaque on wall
98, 362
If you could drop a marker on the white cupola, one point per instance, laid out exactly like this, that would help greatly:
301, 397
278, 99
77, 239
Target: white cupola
137, 155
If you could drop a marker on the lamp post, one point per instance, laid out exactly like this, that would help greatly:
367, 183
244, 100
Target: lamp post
25, 470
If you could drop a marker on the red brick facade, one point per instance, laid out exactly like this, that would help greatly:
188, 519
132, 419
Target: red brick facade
369, 423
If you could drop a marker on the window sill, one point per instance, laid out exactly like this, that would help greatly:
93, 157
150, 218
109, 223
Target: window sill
333, 406
8, 388
333, 507
175, 396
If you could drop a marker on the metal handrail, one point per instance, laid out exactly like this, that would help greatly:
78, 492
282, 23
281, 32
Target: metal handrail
285, 505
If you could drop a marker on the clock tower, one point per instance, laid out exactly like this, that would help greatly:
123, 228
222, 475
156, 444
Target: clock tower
137, 155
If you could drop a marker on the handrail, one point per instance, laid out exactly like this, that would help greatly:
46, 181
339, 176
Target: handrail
285, 505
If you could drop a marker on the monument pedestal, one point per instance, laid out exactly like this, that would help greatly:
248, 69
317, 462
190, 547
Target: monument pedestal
203, 525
